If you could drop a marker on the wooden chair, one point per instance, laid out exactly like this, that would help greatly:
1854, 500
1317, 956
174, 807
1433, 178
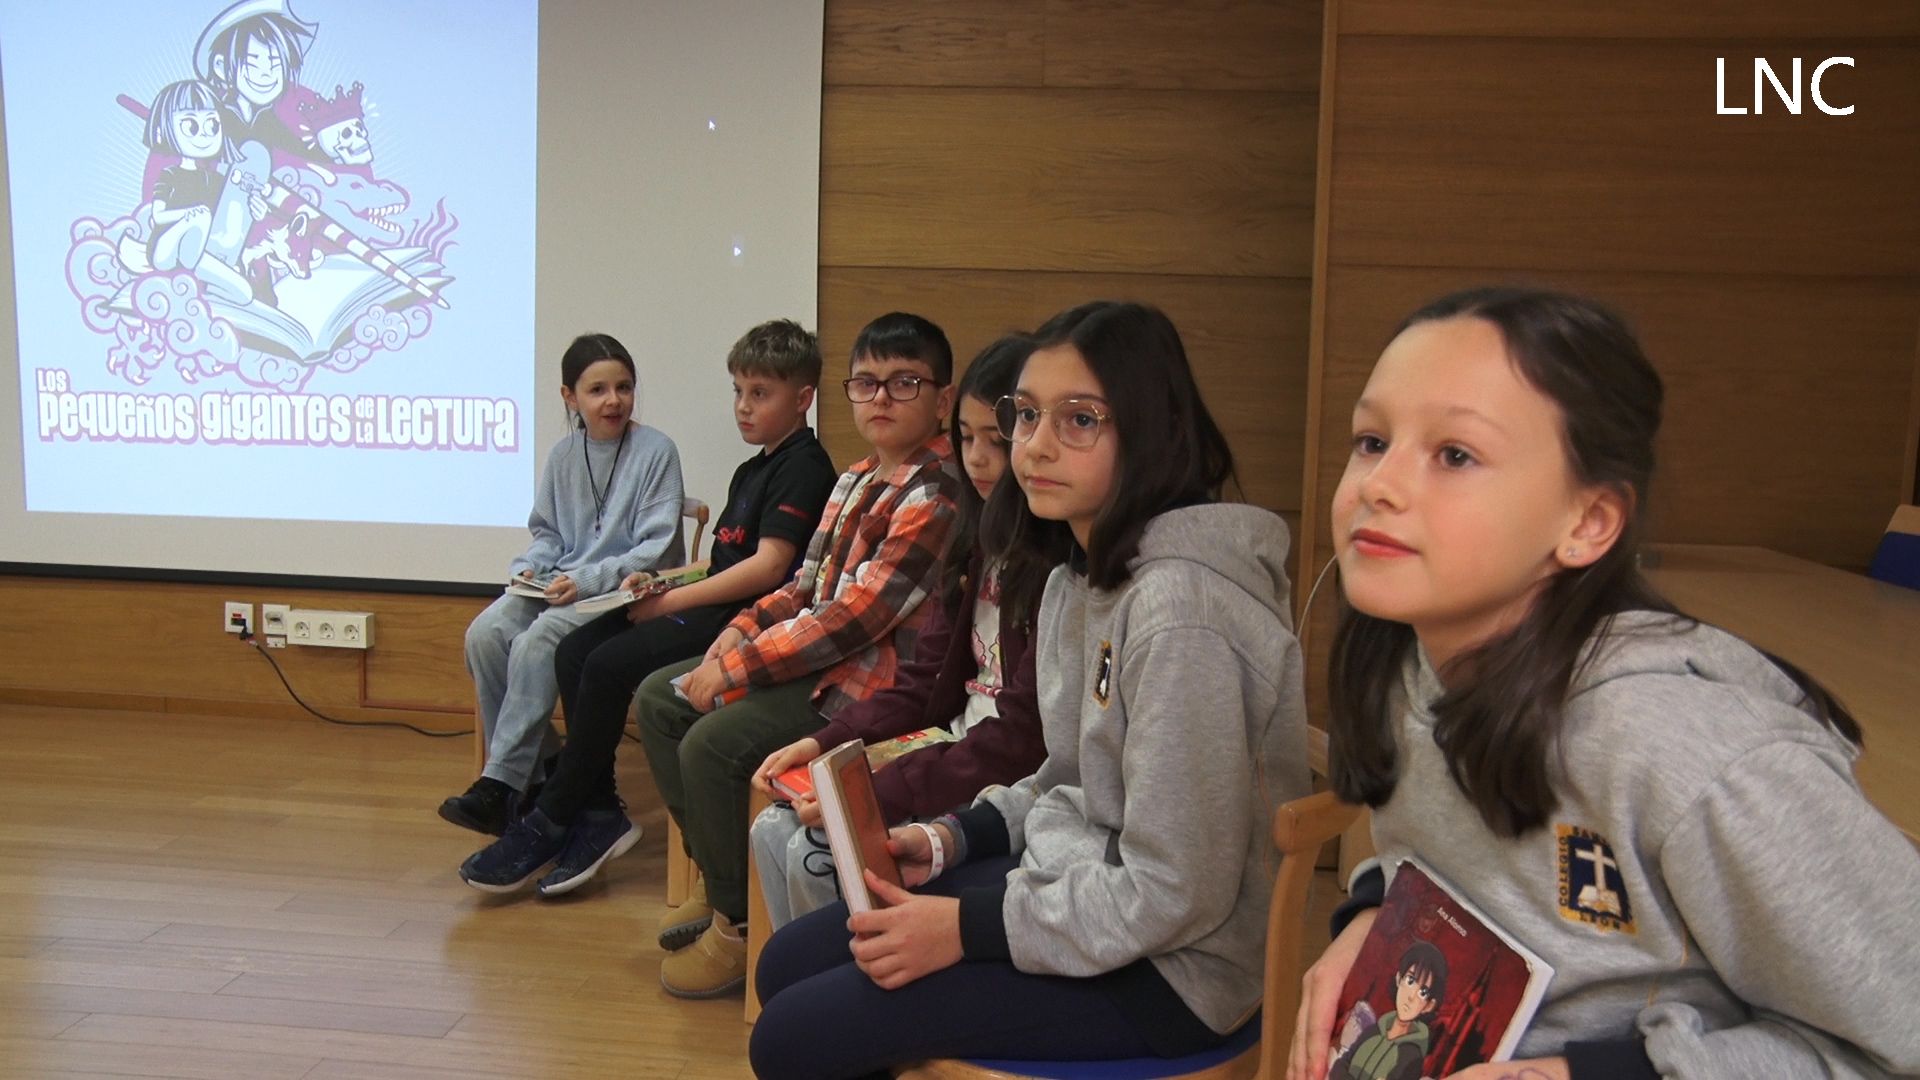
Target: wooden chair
679, 867
1897, 559
1300, 828
691, 507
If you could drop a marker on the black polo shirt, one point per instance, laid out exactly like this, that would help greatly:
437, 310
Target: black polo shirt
779, 495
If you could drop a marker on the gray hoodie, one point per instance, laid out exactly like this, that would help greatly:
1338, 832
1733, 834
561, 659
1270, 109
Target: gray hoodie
1175, 723
1712, 881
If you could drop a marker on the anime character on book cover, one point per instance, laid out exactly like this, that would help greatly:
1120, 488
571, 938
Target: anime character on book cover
259, 238
1436, 990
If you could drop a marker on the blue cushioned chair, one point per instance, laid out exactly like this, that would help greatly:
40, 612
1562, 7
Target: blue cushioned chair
1897, 559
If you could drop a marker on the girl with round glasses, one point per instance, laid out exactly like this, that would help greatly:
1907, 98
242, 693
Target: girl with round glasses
1113, 904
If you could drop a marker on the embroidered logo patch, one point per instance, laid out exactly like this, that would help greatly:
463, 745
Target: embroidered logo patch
1591, 888
1103, 674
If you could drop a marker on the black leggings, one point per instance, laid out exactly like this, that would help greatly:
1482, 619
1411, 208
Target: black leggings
599, 666
825, 1020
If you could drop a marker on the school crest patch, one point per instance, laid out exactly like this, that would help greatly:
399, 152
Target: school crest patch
1103, 674
1592, 890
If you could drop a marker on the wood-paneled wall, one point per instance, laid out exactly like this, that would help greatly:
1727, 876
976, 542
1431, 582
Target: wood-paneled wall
987, 164
155, 645
1771, 263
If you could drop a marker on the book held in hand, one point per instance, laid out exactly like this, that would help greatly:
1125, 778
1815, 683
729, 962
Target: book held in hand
533, 586
1436, 987
856, 832
795, 782
652, 585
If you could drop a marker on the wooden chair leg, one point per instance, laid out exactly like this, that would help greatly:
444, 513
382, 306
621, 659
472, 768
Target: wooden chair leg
757, 929
479, 744
679, 866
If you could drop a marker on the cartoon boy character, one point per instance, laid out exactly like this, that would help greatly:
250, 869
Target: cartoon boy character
252, 53
1395, 1046
185, 120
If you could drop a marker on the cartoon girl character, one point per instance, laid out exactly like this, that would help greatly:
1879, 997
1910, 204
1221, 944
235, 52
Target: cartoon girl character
185, 120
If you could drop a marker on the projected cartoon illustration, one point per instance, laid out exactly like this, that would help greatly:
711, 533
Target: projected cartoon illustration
265, 245
274, 258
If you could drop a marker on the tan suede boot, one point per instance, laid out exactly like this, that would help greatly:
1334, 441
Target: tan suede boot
680, 926
713, 966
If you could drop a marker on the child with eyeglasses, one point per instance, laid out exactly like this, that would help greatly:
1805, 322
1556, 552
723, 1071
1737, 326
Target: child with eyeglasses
971, 678
1135, 862
832, 636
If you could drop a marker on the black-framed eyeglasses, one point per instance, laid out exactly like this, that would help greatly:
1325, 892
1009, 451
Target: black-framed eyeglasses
862, 389
1076, 423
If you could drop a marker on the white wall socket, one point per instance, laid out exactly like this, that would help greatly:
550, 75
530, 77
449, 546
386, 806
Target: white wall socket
236, 617
273, 619
331, 629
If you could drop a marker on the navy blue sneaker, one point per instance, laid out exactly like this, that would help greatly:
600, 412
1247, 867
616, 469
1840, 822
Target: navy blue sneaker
529, 844
596, 836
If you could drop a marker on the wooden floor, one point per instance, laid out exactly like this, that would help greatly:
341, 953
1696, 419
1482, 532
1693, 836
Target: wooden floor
248, 899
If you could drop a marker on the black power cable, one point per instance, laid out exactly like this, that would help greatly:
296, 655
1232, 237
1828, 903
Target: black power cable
247, 638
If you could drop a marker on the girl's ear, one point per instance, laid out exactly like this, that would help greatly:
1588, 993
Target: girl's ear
1602, 513
573, 404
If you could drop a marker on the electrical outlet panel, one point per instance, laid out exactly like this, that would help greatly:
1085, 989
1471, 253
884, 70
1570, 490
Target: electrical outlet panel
330, 629
236, 618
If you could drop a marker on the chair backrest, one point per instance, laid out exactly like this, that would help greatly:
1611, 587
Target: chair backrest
691, 507
1301, 827
1897, 559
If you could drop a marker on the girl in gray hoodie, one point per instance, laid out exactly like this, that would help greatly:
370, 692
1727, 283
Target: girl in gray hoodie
1664, 814
1112, 905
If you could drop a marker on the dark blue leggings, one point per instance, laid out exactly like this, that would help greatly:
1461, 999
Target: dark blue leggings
825, 1020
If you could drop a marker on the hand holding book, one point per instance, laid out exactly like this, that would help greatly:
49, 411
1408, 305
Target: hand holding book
911, 937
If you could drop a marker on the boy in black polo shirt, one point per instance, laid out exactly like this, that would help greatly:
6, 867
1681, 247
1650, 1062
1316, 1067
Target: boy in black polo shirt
773, 506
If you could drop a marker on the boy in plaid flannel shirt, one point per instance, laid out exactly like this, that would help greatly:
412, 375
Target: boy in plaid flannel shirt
831, 636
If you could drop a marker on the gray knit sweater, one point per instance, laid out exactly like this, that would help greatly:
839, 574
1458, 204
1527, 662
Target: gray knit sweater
1175, 724
637, 510
1712, 881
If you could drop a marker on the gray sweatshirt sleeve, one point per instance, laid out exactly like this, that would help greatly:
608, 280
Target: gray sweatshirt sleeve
1801, 896
1172, 875
544, 553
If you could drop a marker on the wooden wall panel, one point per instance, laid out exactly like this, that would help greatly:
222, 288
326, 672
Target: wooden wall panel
1608, 155
1713, 19
1168, 182
1208, 45
1246, 337
896, 43
159, 642
1162, 152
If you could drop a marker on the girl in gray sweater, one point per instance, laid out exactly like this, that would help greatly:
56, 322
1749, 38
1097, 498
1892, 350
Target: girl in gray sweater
1113, 904
1664, 814
608, 504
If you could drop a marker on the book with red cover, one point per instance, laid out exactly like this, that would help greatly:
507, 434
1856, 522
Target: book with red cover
856, 832
1436, 987
795, 782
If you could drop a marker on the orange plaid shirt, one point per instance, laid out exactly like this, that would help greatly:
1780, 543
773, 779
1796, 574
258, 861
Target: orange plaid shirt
855, 606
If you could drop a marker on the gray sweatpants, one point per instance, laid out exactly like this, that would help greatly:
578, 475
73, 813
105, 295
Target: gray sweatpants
795, 868
510, 655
